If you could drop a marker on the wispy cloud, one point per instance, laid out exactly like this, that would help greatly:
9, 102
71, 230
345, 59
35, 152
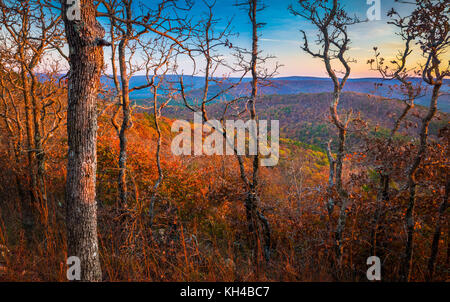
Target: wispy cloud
280, 41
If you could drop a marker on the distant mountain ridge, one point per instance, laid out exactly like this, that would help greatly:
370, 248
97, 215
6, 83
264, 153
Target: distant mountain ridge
294, 85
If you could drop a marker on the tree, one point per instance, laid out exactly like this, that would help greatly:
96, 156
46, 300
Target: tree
31, 31
257, 223
399, 71
127, 28
85, 40
429, 25
160, 59
207, 43
331, 20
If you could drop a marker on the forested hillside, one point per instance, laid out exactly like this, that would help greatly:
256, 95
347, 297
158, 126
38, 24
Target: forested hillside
303, 118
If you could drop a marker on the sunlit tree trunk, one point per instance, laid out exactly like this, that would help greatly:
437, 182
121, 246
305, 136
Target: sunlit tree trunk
85, 39
122, 181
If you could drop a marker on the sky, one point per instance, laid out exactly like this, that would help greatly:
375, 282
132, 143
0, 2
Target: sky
281, 35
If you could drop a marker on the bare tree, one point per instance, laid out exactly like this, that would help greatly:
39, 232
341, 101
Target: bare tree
429, 25
207, 44
257, 223
331, 20
31, 31
162, 22
160, 59
85, 40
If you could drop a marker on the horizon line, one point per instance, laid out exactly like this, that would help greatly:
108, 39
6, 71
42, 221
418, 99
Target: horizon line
278, 77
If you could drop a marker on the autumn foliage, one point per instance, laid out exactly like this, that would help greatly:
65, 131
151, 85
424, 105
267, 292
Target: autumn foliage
199, 232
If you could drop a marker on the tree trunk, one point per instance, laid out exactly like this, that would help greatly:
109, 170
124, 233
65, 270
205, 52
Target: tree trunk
409, 217
125, 79
122, 181
38, 147
342, 129
342, 194
437, 233
258, 225
158, 158
27, 209
86, 61
330, 187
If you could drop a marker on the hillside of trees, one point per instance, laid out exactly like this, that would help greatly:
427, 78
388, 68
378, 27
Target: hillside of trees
302, 117
295, 85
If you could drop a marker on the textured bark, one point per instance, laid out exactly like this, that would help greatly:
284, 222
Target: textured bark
259, 228
342, 193
122, 181
332, 169
338, 163
86, 61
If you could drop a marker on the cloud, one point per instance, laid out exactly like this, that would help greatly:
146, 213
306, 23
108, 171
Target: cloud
282, 41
